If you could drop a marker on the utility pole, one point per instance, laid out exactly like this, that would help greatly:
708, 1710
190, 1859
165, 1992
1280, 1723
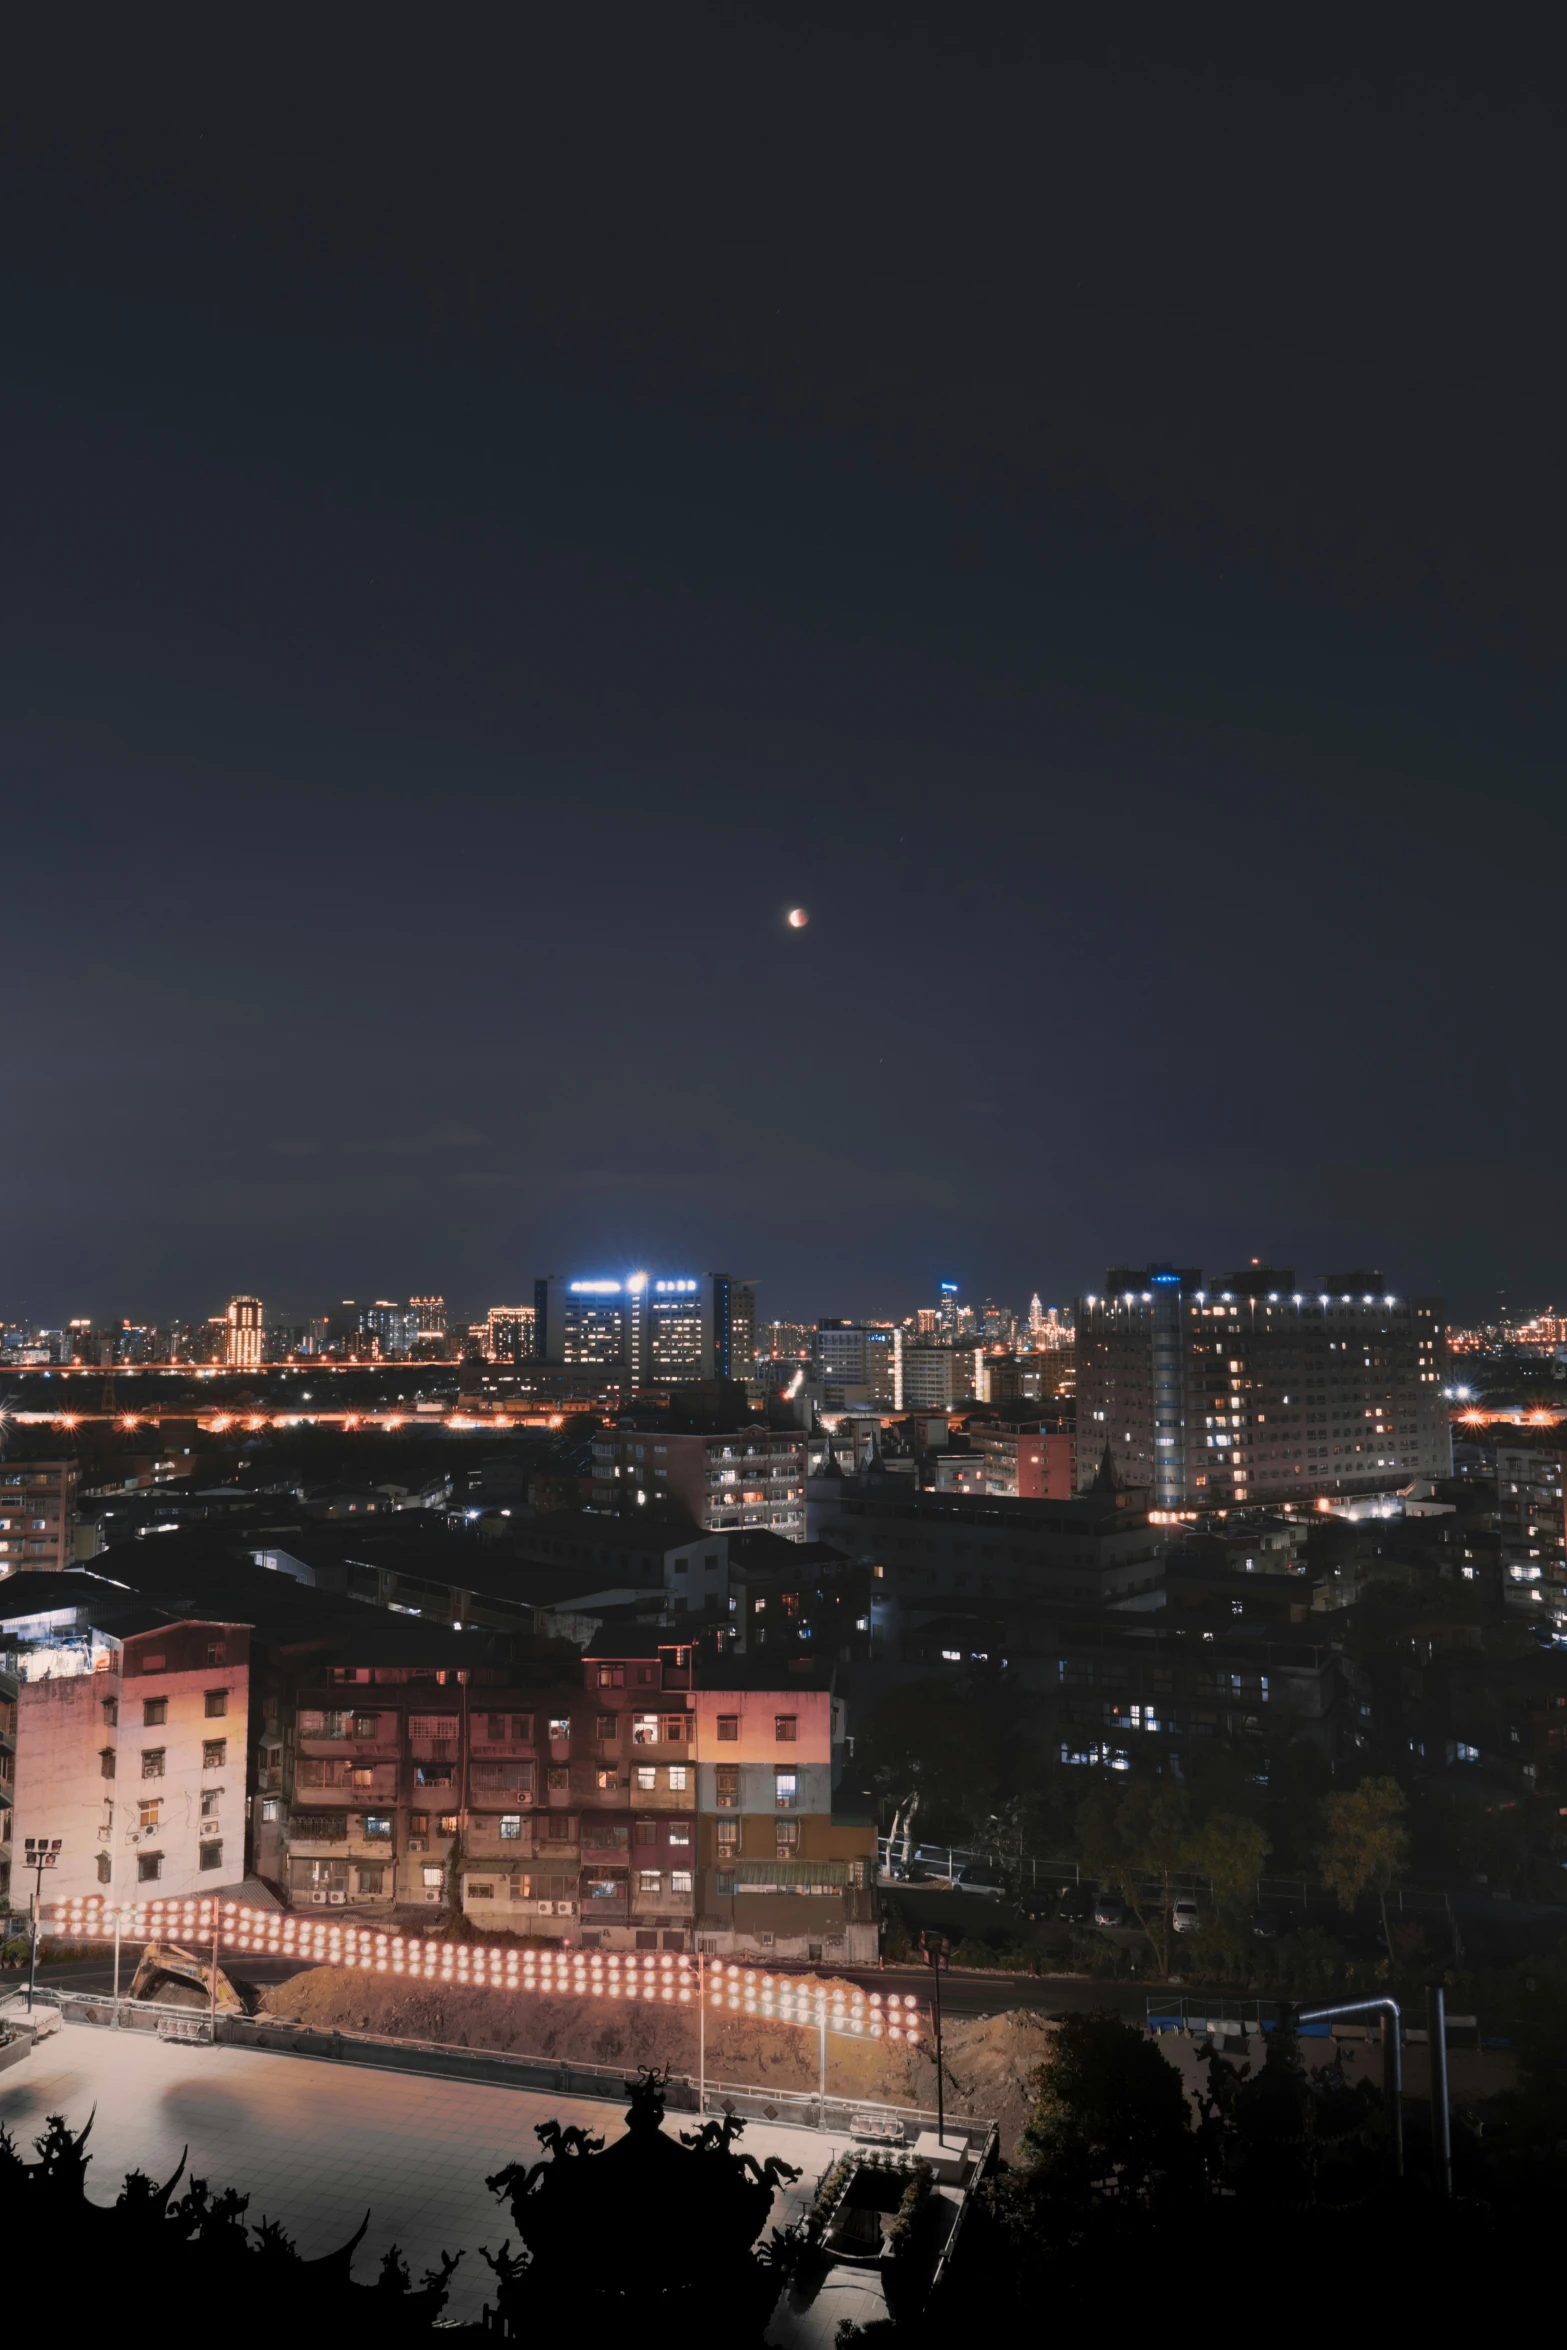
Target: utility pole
936, 1950
1441, 2125
41, 1853
701, 2035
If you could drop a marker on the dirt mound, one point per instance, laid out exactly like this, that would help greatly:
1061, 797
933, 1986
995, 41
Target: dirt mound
991, 2062
752, 2051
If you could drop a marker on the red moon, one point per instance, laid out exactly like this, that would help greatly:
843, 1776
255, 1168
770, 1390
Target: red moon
798, 917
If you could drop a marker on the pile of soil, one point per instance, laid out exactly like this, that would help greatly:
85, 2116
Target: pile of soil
755, 2051
990, 2059
992, 2062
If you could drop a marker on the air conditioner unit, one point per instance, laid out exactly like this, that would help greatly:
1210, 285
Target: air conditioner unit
565, 1909
337, 1899
416, 1843
319, 1899
546, 1909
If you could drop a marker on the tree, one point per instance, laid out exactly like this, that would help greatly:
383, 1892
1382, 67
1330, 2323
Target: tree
1134, 1834
1366, 1847
1288, 2139
1229, 1851
1111, 2121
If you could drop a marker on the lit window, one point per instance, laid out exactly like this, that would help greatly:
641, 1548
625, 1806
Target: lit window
729, 1836
680, 1883
433, 1879
644, 1729
677, 1778
647, 1778
378, 1827
511, 1826
786, 1788
680, 1831
649, 1880
446, 1825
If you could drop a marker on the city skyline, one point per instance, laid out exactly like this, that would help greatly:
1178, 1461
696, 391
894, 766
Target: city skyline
456, 619
285, 1305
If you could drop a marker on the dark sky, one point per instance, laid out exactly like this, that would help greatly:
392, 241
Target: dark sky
500, 506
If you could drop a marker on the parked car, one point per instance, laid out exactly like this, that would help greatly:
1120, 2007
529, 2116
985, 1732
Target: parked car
1265, 1925
1076, 1906
1185, 1916
1109, 1910
977, 1878
1039, 1906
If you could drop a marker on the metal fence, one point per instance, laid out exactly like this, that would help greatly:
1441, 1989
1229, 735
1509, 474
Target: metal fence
1032, 1874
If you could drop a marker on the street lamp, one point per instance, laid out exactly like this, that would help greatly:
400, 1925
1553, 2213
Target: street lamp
804, 2001
936, 1950
43, 1852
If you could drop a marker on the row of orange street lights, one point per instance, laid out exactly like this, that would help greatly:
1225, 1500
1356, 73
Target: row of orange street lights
663, 1978
220, 1423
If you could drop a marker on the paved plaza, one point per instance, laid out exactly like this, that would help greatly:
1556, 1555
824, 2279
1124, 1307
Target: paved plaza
316, 2143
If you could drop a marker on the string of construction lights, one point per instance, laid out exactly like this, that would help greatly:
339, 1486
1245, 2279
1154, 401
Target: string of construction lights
592, 1974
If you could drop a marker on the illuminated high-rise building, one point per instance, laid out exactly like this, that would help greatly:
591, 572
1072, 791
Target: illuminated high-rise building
508, 1334
245, 1325
1256, 1389
429, 1316
665, 1328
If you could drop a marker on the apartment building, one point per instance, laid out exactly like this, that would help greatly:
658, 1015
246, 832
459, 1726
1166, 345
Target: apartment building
745, 1477
1531, 1476
9, 1691
37, 1513
139, 1764
411, 1766
1026, 1463
787, 1871
1251, 1388
858, 1362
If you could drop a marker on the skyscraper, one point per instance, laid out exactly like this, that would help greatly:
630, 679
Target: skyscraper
1253, 1389
508, 1334
245, 1322
666, 1328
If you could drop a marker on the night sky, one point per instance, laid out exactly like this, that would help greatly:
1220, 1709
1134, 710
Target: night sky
499, 507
